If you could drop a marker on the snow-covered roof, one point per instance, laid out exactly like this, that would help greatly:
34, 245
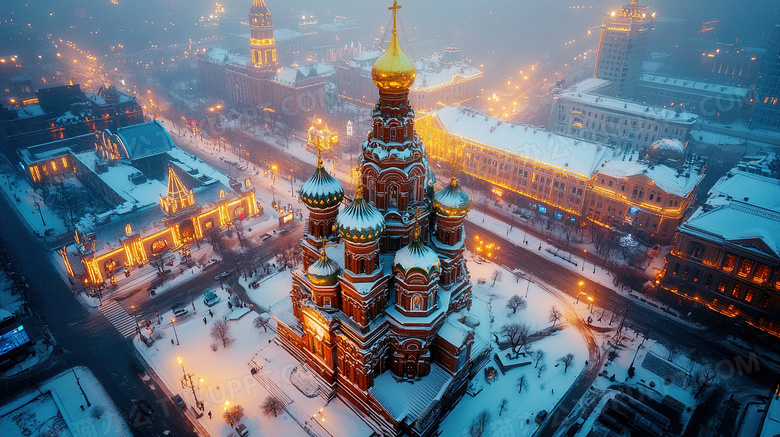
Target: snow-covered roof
322, 190
664, 177
32, 110
223, 56
405, 400
454, 332
588, 85
754, 224
432, 73
770, 427
452, 200
626, 106
569, 154
761, 191
418, 256
292, 75
670, 144
692, 85
360, 222
281, 35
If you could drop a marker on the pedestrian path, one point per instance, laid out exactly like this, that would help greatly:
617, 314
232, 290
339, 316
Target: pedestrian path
123, 322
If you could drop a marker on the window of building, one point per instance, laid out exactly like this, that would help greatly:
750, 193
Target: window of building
749, 295
696, 250
736, 290
326, 301
708, 282
729, 261
722, 285
762, 274
685, 273
676, 269
765, 304
745, 266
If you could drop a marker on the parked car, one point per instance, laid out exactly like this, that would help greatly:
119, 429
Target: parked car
284, 231
178, 310
241, 429
540, 416
265, 236
210, 298
179, 402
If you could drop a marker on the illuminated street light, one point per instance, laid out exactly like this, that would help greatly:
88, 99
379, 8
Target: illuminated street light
173, 323
580, 293
590, 298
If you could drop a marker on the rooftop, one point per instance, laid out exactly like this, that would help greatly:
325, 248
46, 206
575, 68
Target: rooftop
664, 177
433, 73
761, 191
755, 224
627, 106
566, 153
692, 85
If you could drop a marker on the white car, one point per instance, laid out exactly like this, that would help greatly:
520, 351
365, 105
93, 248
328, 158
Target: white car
241, 429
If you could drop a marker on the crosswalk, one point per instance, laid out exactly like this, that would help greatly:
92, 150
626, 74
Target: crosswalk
123, 322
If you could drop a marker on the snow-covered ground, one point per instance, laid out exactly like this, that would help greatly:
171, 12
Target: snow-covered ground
226, 373
54, 409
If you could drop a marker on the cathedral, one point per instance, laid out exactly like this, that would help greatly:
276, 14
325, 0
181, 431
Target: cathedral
381, 309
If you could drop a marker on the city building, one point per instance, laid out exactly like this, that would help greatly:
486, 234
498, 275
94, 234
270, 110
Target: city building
381, 309
65, 112
726, 257
622, 47
724, 102
564, 177
767, 109
443, 79
583, 111
150, 187
292, 94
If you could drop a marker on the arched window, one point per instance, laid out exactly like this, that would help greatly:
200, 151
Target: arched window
696, 250
393, 202
416, 302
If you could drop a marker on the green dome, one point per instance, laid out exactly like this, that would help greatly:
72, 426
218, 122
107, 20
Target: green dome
360, 222
321, 191
323, 271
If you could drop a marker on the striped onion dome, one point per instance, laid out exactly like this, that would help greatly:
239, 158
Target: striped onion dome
360, 222
323, 271
452, 200
321, 191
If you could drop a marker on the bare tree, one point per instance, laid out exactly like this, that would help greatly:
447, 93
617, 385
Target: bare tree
517, 334
538, 356
220, 331
212, 234
233, 414
262, 322
97, 412
495, 276
238, 226
272, 405
542, 369
502, 406
567, 360
479, 426
214, 346
704, 378
522, 383
555, 315
516, 303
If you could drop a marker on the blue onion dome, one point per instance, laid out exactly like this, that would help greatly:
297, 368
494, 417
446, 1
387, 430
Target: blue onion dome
452, 200
321, 191
323, 271
416, 256
360, 222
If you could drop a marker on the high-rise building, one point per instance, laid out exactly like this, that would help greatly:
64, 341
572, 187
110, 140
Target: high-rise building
767, 110
262, 46
381, 309
624, 37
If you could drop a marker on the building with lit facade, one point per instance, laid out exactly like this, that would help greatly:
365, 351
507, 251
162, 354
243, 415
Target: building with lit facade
767, 110
292, 94
65, 112
564, 177
443, 79
151, 188
381, 309
726, 257
583, 112
622, 47
321, 137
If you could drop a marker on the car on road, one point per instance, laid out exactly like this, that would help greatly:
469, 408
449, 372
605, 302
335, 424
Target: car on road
224, 274
265, 236
179, 402
284, 231
241, 429
210, 298
145, 407
540, 416
178, 310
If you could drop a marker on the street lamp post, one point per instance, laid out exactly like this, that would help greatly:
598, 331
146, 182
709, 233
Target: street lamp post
590, 298
38, 207
137, 328
229, 416
187, 380
529, 284
173, 323
581, 283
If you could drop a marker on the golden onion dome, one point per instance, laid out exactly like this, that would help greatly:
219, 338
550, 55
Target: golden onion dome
393, 70
452, 200
323, 271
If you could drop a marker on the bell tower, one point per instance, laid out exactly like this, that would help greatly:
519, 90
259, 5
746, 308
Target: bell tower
262, 46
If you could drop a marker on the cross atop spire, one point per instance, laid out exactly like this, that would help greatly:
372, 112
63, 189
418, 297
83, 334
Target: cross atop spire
395, 9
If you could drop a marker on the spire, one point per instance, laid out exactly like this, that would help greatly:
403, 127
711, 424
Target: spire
319, 158
416, 230
395, 9
454, 175
359, 187
393, 70
178, 197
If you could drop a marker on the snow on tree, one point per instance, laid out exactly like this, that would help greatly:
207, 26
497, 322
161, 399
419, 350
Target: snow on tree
538, 356
704, 377
502, 406
495, 276
516, 303
567, 360
479, 426
272, 405
542, 369
220, 331
97, 412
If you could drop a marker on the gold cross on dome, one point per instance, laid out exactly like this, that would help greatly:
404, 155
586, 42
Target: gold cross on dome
395, 9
